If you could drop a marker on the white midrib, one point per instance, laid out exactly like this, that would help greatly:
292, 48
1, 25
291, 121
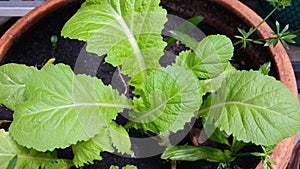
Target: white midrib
84, 105
222, 104
146, 114
132, 41
91, 105
13, 85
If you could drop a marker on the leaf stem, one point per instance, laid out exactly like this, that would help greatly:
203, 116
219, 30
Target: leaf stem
249, 154
5, 121
263, 21
173, 164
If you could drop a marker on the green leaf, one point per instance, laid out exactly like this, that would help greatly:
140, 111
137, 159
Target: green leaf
185, 39
254, 108
237, 145
280, 3
218, 136
129, 32
88, 151
185, 27
265, 68
113, 135
209, 57
27, 158
113, 167
12, 83
169, 98
64, 108
193, 153
129, 167
120, 138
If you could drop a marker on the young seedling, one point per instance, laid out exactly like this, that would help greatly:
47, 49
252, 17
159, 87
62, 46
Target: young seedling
284, 36
53, 40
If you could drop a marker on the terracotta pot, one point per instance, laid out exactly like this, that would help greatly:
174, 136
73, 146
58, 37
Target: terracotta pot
29, 20
242, 13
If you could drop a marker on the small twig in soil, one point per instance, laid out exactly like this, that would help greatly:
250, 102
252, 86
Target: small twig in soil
173, 164
123, 80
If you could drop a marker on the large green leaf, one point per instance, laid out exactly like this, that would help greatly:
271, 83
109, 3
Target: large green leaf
12, 83
64, 108
169, 98
208, 58
194, 153
129, 32
88, 151
254, 108
27, 158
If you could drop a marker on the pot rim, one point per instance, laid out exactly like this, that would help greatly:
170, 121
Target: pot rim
282, 151
27, 21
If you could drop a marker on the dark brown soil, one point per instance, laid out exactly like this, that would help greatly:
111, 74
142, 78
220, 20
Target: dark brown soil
34, 49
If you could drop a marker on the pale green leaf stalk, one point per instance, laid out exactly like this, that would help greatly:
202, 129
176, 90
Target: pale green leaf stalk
212, 85
194, 153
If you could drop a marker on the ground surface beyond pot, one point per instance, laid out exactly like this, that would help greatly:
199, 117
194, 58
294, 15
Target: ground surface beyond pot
190, 8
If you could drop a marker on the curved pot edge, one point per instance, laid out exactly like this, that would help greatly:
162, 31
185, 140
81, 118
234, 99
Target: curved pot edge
28, 20
283, 150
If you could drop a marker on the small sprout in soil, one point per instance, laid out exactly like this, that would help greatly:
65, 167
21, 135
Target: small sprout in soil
53, 40
265, 68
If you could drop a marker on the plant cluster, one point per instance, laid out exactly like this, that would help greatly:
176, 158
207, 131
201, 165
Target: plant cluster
54, 108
